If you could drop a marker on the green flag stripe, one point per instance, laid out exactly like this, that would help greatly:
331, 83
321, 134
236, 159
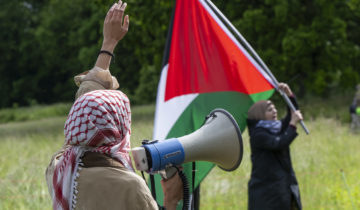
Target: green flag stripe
234, 102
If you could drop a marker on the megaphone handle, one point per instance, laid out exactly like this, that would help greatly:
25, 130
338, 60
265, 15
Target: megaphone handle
168, 172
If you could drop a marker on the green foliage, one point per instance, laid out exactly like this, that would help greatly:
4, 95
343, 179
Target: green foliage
45, 43
311, 40
335, 106
143, 49
16, 66
146, 91
52, 41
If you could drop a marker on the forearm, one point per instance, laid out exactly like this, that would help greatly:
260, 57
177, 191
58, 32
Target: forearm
99, 77
286, 120
104, 59
294, 101
114, 30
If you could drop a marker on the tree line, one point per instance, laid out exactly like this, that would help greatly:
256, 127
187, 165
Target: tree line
311, 44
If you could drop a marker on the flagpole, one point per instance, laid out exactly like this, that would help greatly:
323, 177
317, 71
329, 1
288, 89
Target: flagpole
258, 59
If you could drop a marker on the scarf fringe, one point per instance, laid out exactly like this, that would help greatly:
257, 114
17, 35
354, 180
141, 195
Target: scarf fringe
76, 175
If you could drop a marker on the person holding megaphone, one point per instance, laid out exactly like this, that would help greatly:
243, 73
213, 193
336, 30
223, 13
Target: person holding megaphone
93, 170
273, 183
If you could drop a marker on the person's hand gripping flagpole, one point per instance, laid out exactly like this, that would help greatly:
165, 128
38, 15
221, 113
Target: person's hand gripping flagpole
257, 58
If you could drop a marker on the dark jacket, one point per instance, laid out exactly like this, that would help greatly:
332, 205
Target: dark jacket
273, 182
352, 108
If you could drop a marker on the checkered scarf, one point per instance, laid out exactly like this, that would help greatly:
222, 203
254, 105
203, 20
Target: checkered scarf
99, 121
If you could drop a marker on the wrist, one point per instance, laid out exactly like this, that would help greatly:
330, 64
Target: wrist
109, 45
107, 53
292, 123
289, 93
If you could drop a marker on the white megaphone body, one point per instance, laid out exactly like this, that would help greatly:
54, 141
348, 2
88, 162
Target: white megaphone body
218, 141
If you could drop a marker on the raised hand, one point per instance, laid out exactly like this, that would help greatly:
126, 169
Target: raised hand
285, 88
115, 26
296, 117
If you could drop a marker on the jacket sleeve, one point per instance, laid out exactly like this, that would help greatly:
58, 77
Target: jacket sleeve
287, 118
265, 140
95, 79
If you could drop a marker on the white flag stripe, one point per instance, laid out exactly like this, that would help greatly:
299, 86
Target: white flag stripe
167, 113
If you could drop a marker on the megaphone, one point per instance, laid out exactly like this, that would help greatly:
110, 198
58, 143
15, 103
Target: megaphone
218, 141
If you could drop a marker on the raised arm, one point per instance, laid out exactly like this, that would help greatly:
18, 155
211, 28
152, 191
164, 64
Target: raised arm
99, 77
115, 28
296, 116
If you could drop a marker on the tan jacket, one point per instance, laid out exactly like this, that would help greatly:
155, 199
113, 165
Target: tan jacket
103, 182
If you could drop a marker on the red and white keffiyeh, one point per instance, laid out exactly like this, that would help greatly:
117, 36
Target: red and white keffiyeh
99, 121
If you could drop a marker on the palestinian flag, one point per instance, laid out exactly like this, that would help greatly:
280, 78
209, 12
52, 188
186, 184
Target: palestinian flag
205, 67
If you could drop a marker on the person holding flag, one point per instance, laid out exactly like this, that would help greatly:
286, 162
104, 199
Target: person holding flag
207, 64
273, 183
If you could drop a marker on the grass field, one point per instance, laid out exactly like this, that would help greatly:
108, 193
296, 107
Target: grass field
326, 163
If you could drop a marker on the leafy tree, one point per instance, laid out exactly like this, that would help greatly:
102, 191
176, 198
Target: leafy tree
312, 44
307, 40
71, 32
17, 43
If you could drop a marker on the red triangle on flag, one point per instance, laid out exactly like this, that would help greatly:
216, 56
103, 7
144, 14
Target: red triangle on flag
203, 57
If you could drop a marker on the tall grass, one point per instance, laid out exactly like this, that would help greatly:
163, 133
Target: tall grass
23, 161
26, 149
326, 163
